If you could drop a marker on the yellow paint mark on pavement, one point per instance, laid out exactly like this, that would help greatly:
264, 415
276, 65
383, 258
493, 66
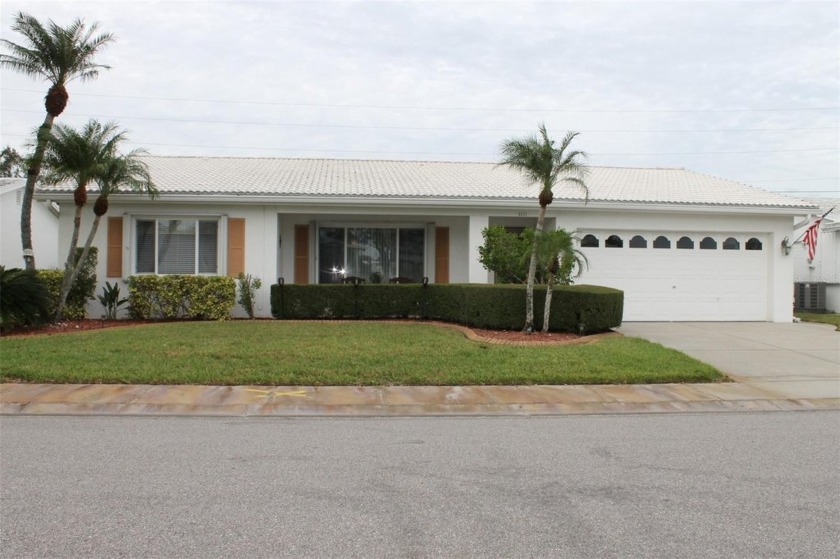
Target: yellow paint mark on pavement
267, 393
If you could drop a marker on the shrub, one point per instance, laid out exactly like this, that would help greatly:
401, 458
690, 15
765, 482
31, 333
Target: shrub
170, 297
111, 300
248, 286
585, 308
82, 290
24, 299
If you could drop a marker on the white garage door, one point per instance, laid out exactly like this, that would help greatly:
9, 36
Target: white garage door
681, 276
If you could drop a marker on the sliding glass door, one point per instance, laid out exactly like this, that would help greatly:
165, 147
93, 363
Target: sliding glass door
375, 254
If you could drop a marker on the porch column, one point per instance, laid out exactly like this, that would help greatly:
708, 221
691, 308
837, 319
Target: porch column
476, 272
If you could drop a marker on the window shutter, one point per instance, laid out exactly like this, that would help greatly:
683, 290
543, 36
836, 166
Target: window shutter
113, 268
441, 254
236, 246
301, 254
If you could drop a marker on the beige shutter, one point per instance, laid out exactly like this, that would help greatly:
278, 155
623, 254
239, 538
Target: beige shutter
302, 254
441, 254
236, 246
114, 267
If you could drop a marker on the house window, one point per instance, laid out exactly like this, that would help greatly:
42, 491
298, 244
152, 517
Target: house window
731, 244
661, 242
177, 246
374, 254
638, 242
614, 241
708, 243
589, 241
685, 242
753, 244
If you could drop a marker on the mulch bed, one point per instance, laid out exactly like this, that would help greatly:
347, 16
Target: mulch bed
69, 326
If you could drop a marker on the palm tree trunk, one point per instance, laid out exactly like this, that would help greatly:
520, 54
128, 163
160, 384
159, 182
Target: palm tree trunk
69, 267
532, 272
547, 310
82, 258
29, 189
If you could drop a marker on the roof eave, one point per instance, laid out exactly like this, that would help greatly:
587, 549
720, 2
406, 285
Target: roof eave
439, 202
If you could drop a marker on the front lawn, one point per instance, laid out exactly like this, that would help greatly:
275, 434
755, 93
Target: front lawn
345, 353
826, 318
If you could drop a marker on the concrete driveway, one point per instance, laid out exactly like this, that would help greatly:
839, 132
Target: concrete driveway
795, 360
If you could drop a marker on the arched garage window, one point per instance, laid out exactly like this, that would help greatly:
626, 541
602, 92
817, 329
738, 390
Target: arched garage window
685, 242
638, 242
661, 242
753, 244
589, 241
731, 244
614, 241
708, 243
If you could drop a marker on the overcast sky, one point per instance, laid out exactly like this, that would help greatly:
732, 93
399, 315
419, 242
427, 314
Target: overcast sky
748, 91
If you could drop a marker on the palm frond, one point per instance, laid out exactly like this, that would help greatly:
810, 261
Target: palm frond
57, 54
542, 162
80, 155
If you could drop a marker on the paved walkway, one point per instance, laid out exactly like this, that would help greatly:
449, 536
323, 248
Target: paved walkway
776, 366
105, 399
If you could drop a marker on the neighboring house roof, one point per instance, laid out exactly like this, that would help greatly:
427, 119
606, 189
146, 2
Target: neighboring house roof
8, 184
349, 178
831, 222
826, 204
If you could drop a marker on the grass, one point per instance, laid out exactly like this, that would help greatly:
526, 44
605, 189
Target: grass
826, 318
361, 353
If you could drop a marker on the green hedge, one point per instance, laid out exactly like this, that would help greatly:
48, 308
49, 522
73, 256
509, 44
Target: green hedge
169, 297
499, 307
83, 289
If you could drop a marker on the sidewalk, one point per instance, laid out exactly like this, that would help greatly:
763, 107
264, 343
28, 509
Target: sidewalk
356, 401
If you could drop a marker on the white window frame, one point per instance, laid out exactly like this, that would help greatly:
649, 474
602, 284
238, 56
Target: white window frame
221, 241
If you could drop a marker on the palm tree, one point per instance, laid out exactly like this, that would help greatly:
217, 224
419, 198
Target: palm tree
556, 253
116, 172
83, 157
58, 55
546, 165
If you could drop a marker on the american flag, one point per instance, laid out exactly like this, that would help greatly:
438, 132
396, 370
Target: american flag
810, 238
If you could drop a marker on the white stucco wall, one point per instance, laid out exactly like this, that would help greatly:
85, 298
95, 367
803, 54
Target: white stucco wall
269, 256
44, 231
260, 239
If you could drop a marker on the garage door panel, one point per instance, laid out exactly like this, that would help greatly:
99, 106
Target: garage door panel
683, 284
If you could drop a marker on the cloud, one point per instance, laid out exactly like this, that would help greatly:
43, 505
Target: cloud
334, 79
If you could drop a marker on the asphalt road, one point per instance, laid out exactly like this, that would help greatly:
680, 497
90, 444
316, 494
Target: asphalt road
676, 485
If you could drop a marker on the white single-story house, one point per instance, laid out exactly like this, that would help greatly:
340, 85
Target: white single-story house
818, 281
682, 245
44, 227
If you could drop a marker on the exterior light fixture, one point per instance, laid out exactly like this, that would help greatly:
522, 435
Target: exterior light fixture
786, 246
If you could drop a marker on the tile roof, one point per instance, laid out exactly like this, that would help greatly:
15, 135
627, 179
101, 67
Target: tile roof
342, 178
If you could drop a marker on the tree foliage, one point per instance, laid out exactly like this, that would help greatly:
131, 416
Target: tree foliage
83, 157
11, 163
58, 55
545, 165
24, 299
507, 255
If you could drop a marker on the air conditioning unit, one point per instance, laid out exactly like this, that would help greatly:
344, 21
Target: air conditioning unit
809, 296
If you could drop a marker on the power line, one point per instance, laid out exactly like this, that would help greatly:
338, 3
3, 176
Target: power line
423, 128
431, 108
594, 154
